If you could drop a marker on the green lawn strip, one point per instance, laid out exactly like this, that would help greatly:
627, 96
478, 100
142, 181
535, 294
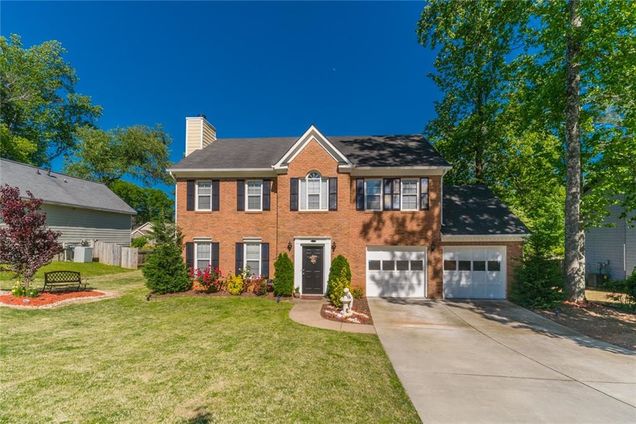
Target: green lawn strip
180, 358
91, 269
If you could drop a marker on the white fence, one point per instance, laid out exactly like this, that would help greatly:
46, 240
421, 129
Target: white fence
114, 254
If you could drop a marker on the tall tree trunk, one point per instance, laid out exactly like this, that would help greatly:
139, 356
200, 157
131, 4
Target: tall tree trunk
574, 235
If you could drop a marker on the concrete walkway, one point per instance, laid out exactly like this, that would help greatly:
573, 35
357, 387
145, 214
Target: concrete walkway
494, 362
307, 312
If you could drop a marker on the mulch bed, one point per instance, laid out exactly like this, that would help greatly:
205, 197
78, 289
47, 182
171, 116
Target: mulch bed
361, 313
598, 321
47, 299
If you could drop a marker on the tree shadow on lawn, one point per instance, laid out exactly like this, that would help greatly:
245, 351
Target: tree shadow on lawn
508, 314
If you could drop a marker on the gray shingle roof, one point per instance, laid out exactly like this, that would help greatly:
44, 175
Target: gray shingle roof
61, 189
475, 210
372, 151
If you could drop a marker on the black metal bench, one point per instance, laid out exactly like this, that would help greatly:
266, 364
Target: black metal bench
63, 280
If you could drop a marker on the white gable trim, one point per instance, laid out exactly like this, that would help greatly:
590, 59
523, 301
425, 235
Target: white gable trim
312, 133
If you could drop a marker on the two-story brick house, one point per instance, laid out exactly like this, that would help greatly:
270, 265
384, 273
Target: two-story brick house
377, 200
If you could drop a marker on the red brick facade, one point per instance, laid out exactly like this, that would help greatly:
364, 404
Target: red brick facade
349, 229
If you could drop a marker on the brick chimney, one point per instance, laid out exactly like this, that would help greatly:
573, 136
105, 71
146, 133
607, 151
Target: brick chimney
199, 133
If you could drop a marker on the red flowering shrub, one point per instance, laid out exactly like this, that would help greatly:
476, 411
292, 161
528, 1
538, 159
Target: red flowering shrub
256, 284
208, 279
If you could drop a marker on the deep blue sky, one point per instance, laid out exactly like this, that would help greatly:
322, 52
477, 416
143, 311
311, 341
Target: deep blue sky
255, 69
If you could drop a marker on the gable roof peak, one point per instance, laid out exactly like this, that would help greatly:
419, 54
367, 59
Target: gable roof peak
312, 133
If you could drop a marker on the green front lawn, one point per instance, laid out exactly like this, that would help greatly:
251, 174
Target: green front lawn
91, 269
189, 359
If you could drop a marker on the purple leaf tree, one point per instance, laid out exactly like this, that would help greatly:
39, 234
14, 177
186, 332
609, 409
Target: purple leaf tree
26, 244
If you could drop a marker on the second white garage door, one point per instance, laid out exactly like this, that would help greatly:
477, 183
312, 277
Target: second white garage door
396, 271
475, 272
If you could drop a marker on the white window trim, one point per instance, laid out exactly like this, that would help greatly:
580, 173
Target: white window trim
260, 209
417, 194
381, 194
196, 253
196, 195
260, 257
320, 194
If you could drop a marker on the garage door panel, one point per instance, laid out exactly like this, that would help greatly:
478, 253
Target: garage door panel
401, 273
475, 272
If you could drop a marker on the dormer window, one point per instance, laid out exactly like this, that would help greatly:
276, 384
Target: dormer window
314, 192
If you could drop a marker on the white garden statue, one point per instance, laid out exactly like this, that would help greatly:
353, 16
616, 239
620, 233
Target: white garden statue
347, 303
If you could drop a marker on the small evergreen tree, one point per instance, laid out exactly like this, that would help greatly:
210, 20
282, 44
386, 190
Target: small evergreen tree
165, 270
339, 268
283, 275
26, 244
539, 283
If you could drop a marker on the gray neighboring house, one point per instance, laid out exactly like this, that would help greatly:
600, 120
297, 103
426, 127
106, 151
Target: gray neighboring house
614, 246
79, 209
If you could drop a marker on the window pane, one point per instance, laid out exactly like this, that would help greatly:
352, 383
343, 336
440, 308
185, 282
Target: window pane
204, 202
202, 264
303, 195
409, 187
396, 202
313, 201
464, 266
313, 186
254, 187
203, 255
373, 202
205, 187
388, 265
253, 267
252, 251
324, 188
450, 265
373, 187
253, 202
479, 265
402, 265
424, 198
374, 265
417, 265
494, 266
409, 202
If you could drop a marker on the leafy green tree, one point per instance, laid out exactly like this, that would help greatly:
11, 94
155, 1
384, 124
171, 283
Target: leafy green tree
150, 203
165, 270
40, 111
106, 156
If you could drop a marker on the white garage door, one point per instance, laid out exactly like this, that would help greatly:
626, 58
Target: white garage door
475, 272
398, 271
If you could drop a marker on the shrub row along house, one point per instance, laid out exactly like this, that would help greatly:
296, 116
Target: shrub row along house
81, 210
378, 200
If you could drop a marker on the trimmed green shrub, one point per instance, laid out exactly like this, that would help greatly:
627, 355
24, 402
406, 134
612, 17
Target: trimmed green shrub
283, 275
337, 290
357, 292
539, 283
339, 267
165, 270
235, 284
623, 291
139, 242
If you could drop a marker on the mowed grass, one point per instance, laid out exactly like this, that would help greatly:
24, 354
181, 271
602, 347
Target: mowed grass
189, 359
91, 269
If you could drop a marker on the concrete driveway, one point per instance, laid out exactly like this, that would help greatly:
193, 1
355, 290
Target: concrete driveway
494, 362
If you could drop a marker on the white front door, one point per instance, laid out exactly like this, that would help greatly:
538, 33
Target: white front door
396, 271
475, 272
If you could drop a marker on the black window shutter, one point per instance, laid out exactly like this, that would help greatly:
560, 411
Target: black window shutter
215, 195
215, 255
240, 195
360, 194
190, 195
265, 260
424, 193
293, 194
267, 189
333, 193
189, 254
239, 258
388, 194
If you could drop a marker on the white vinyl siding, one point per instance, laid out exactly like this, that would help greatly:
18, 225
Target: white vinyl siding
204, 195
203, 255
252, 258
254, 195
373, 194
